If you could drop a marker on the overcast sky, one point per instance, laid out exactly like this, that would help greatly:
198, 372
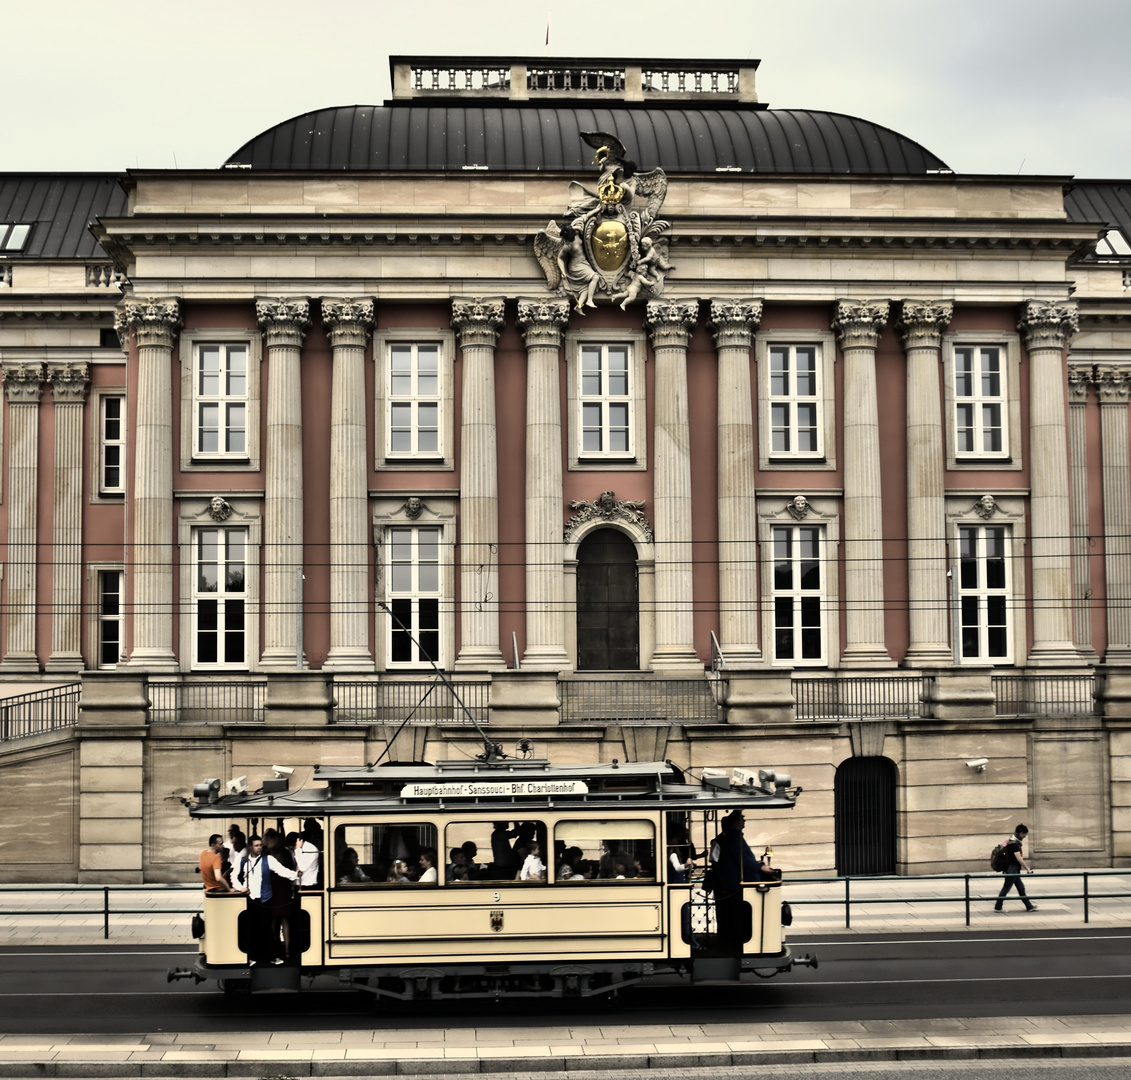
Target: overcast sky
993, 86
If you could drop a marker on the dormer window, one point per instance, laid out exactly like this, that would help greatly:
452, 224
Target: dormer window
13, 237
1113, 245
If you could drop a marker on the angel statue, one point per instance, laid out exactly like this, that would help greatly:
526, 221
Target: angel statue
611, 242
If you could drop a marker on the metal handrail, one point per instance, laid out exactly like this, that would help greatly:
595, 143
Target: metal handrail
964, 894
39, 711
848, 900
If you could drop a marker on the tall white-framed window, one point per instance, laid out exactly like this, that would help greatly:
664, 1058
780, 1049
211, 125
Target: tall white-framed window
984, 594
220, 399
414, 385
606, 409
107, 607
414, 594
983, 406
415, 580
111, 444
798, 537
219, 597
796, 406
799, 595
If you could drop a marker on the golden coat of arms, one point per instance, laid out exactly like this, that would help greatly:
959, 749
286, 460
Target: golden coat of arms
611, 243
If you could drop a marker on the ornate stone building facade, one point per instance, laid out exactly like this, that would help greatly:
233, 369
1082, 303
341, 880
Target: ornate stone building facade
796, 449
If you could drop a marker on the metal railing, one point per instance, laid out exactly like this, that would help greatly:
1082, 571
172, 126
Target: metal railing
867, 698
637, 701
1044, 695
424, 702
39, 711
214, 701
848, 890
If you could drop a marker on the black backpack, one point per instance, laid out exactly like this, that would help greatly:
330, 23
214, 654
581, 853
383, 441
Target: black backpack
998, 859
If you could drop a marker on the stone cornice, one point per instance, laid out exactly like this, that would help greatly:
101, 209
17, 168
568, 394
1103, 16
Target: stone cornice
348, 322
733, 322
1080, 377
922, 322
69, 382
154, 322
542, 321
1048, 324
1113, 383
23, 383
478, 321
670, 322
284, 320
858, 323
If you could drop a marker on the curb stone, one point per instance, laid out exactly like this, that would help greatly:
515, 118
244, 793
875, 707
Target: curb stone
548, 1067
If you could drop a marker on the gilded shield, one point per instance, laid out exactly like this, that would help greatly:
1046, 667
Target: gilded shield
610, 245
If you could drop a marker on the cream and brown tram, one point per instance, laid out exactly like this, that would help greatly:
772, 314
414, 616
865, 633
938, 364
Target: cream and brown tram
619, 898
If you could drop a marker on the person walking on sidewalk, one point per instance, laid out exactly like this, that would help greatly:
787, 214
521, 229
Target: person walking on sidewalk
1015, 863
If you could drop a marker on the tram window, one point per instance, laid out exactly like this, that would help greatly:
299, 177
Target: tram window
398, 854
605, 850
495, 851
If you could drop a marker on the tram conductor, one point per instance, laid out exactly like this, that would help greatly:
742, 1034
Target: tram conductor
734, 863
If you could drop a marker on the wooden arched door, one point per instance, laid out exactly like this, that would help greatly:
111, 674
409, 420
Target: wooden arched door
608, 603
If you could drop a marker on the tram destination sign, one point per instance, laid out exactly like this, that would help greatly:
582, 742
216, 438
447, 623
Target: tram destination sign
474, 789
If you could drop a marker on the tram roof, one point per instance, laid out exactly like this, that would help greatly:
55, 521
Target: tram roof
498, 789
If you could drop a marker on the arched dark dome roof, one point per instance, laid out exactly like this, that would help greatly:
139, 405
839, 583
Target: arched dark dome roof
421, 137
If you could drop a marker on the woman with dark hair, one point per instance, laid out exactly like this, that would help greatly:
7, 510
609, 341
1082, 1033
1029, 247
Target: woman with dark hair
283, 878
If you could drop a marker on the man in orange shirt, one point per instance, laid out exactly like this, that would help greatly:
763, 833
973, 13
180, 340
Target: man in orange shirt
212, 866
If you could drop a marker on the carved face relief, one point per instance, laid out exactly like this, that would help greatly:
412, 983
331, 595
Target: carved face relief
610, 245
413, 507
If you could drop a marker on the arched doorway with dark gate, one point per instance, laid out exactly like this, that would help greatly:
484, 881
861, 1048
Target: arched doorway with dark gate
865, 816
608, 603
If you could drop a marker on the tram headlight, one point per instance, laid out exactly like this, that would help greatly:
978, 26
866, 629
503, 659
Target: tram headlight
208, 791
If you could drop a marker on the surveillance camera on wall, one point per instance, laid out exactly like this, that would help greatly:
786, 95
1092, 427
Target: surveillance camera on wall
283, 770
978, 763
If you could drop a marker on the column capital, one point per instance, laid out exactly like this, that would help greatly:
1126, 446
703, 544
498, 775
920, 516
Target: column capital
154, 322
23, 383
858, 323
284, 320
542, 321
1080, 377
670, 322
347, 322
733, 322
477, 321
69, 382
1048, 324
922, 322
1113, 381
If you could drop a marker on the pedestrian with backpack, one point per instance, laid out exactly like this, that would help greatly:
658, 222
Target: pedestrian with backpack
1014, 864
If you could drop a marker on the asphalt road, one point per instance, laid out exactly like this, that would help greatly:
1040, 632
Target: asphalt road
121, 989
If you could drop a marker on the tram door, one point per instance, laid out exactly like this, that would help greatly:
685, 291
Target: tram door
608, 606
864, 807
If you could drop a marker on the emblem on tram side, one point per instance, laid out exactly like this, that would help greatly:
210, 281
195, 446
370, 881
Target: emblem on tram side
496, 921
611, 242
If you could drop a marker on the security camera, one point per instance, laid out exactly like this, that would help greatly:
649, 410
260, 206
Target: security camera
978, 763
237, 785
283, 770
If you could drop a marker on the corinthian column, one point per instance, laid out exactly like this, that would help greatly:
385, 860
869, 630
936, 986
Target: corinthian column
1079, 379
858, 324
155, 324
1046, 328
68, 385
1113, 384
284, 323
23, 383
542, 322
477, 323
348, 324
733, 323
670, 324
921, 325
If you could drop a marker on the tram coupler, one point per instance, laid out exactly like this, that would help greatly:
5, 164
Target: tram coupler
174, 974
805, 961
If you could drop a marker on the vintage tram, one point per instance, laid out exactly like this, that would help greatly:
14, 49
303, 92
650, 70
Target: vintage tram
618, 898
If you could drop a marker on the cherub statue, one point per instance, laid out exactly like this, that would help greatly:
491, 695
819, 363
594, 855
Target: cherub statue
650, 270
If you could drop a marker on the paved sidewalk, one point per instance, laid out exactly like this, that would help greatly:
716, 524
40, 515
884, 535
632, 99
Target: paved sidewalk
157, 915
